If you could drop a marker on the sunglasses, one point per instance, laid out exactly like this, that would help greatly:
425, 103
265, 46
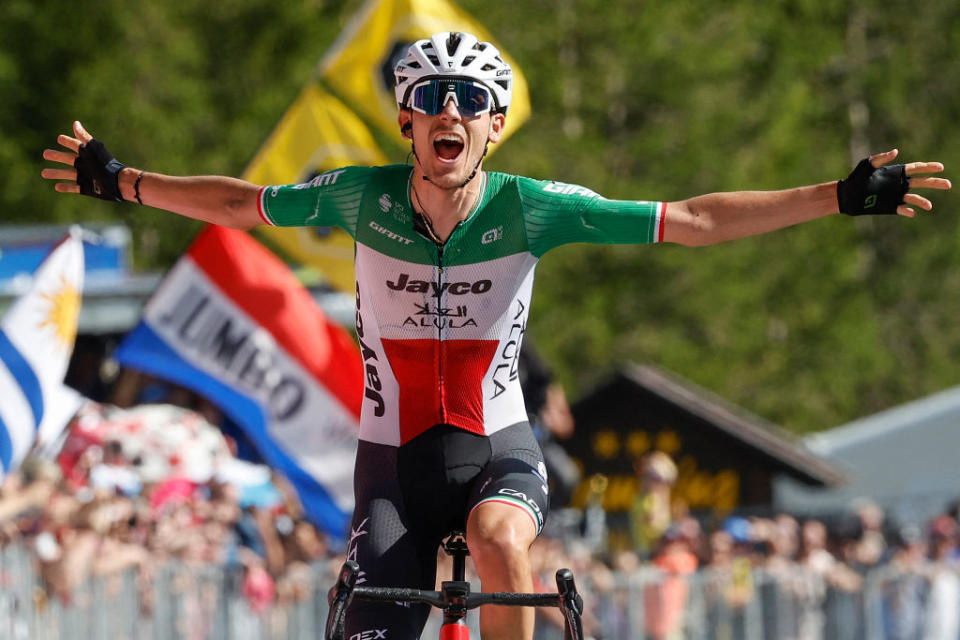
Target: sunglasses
431, 96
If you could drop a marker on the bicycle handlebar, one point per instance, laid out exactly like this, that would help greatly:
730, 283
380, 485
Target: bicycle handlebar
473, 600
456, 597
571, 604
398, 594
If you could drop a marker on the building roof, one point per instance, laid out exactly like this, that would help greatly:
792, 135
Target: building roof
904, 458
899, 419
757, 433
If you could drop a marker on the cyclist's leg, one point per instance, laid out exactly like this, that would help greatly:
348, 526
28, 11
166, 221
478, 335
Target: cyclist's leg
510, 504
388, 555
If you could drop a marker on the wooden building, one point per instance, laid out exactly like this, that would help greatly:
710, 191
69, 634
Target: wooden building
727, 459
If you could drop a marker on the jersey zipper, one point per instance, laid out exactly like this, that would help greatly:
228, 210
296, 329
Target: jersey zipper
440, 321
423, 226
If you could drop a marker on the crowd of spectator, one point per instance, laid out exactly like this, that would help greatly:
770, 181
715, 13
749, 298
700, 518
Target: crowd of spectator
93, 517
93, 523
851, 575
99, 510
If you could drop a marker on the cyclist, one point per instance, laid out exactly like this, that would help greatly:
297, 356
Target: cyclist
445, 256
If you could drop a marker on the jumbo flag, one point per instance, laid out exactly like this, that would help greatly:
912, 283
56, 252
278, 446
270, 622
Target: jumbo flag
359, 65
37, 335
316, 134
231, 322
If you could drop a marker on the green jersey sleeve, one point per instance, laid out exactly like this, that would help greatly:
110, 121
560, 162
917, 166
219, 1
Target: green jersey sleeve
555, 213
331, 199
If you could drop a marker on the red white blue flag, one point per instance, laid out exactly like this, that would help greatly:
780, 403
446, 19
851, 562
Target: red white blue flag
231, 322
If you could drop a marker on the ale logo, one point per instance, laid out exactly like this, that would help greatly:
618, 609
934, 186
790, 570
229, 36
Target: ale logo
492, 235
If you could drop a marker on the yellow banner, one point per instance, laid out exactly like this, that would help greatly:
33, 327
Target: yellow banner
317, 133
359, 66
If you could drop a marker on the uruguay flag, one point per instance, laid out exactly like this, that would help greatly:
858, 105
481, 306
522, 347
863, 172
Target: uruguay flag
231, 322
37, 335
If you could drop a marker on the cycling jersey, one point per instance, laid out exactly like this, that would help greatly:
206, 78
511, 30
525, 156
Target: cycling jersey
440, 326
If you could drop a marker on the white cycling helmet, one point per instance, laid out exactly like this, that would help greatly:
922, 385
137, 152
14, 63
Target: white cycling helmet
454, 54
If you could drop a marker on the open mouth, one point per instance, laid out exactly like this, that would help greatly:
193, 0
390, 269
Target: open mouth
448, 147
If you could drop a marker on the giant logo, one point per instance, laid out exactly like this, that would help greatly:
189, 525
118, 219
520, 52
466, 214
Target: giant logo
390, 234
569, 190
321, 180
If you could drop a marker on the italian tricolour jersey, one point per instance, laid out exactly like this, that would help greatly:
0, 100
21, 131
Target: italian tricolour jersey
440, 327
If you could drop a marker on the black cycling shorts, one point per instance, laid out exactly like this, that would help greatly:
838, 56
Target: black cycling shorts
409, 498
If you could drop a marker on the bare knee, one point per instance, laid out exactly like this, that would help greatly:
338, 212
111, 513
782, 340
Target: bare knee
497, 532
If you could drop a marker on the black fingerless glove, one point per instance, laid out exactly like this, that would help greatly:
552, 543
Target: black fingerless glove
98, 172
869, 190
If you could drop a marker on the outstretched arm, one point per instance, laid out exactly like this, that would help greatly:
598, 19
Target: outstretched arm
228, 202
718, 217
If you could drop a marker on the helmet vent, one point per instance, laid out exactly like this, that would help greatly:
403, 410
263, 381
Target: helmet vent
413, 64
503, 83
488, 67
470, 59
453, 41
434, 60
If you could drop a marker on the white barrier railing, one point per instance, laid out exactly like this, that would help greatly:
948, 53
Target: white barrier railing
207, 602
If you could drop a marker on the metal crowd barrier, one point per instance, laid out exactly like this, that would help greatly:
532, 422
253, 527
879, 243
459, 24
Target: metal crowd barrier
888, 603
205, 602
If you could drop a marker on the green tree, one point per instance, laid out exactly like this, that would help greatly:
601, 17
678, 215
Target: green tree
809, 327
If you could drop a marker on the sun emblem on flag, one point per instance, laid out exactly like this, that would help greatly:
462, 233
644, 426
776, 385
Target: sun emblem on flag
64, 307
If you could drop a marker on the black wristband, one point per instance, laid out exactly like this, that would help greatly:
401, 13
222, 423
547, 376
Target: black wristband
98, 172
873, 190
136, 187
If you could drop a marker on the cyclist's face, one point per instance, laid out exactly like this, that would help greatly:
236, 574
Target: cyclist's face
449, 144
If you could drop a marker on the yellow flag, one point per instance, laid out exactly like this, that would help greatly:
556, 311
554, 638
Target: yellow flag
317, 133
359, 66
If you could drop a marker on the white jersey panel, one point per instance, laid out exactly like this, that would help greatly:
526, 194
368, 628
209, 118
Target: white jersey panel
502, 395
379, 414
467, 302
